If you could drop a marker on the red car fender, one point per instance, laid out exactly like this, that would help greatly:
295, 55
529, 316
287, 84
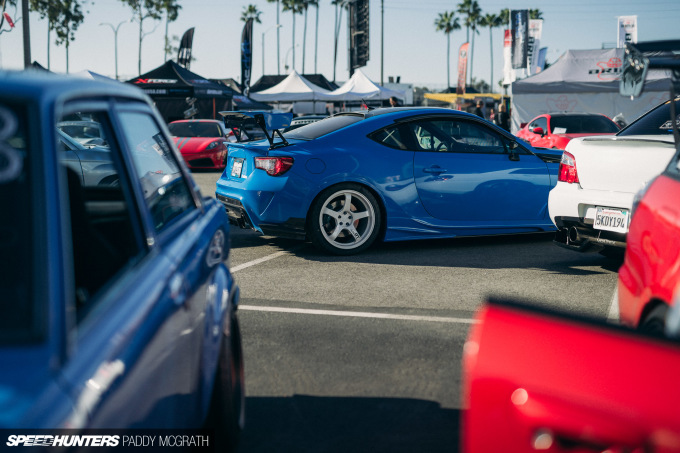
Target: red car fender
537, 381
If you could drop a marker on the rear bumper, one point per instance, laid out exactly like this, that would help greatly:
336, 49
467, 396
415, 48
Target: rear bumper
293, 228
578, 234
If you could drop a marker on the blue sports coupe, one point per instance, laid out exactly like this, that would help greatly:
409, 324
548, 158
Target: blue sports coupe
393, 174
118, 311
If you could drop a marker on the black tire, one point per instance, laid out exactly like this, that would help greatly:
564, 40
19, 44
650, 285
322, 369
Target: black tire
227, 406
654, 323
341, 231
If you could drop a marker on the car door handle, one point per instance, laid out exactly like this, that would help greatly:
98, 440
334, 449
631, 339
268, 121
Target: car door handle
435, 169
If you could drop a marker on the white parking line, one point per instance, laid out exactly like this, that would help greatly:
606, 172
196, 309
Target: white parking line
257, 261
358, 314
613, 315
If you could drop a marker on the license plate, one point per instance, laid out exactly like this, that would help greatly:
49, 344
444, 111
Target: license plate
237, 168
611, 219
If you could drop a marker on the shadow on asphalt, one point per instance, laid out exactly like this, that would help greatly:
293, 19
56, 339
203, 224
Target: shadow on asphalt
332, 424
523, 251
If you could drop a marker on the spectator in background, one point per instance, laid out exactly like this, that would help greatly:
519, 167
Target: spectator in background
479, 110
394, 102
502, 119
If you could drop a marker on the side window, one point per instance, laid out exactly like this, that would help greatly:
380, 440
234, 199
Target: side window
104, 233
389, 136
540, 122
456, 136
166, 192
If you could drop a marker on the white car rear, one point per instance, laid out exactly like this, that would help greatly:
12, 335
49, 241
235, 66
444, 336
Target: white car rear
599, 178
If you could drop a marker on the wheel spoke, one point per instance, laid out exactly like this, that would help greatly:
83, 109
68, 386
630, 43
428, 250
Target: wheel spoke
355, 234
329, 212
336, 232
360, 215
348, 201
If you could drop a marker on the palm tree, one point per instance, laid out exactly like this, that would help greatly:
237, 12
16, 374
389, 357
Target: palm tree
316, 37
251, 12
305, 6
447, 22
339, 6
464, 8
278, 40
472, 21
505, 17
295, 7
535, 14
492, 21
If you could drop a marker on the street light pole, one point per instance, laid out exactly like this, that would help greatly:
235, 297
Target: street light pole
277, 26
115, 38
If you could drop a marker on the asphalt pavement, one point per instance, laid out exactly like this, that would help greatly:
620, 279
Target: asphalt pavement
362, 353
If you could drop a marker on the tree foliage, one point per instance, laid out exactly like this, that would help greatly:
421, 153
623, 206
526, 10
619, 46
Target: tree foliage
251, 12
154, 10
63, 17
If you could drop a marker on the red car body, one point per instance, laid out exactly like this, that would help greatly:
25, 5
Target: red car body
534, 381
202, 143
651, 268
555, 130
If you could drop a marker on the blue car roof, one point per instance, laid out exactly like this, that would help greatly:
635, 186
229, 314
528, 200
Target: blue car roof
33, 84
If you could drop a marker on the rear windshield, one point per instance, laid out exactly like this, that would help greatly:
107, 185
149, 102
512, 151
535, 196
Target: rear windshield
18, 312
655, 122
582, 124
323, 127
195, 129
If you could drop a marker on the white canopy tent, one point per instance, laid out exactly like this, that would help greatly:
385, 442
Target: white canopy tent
584, 81
292, 89
359, 87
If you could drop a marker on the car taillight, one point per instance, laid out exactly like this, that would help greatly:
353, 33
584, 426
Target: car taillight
568, 171
274, 166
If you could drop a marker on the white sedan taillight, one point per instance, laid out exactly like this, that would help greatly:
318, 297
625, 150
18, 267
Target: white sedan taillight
568, 171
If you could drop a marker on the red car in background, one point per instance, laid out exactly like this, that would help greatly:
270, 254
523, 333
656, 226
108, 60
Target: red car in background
202, 143
555, 130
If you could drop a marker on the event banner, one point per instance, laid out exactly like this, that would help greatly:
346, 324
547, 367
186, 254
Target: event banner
462, 68
508, 73
185, 45
520, 38
246, 56
533, 44
627, 30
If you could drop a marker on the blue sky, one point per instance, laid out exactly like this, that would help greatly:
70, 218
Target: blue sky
412, 47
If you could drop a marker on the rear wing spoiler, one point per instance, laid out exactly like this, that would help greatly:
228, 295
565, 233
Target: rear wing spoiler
269, 122
640, 57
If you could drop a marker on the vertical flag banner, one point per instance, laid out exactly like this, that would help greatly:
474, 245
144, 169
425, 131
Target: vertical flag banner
627, 30
540, 60
533, 44
520, 37
184, 53
508, 73
462, 68
246, 56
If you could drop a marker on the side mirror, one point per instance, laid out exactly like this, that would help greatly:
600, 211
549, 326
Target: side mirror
635, 67
512, 146
538, 130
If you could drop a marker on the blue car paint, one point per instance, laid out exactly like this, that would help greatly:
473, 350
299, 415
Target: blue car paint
347, 155
137, 350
